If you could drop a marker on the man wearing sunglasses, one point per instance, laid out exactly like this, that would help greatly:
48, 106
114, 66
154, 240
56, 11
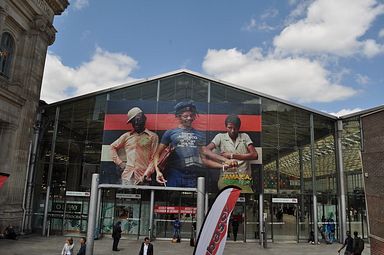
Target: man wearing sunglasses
140, 146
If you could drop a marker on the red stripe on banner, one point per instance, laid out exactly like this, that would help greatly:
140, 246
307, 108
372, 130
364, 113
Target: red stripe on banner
222, 223
2, 180
204, 122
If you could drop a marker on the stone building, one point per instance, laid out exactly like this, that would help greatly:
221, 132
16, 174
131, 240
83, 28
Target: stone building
26, 31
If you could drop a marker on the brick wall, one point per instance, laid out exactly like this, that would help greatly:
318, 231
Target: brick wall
377, 247
373, 166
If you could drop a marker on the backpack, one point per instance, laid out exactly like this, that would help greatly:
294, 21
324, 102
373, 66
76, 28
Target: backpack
359, 245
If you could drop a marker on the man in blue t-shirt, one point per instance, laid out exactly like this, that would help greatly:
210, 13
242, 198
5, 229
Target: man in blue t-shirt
190, 153
176, 229
185, 161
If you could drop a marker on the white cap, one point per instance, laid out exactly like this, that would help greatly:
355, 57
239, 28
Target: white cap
133, 112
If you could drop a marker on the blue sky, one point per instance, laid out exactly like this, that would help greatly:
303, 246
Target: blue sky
323, 54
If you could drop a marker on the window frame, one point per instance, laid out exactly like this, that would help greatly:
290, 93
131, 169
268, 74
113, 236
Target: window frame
7, 43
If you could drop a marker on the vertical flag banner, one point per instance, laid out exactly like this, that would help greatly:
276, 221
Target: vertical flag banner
213, 234
3, 178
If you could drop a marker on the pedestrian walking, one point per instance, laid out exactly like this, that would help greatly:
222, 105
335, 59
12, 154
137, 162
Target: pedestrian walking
146, 247
83, 246
68, 247
116, 234
358, 244
235, 227
348, 242
176, 230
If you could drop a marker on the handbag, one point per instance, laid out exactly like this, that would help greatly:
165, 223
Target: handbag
241, 180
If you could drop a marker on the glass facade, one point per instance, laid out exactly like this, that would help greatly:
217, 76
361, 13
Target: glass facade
298, 146
356, 206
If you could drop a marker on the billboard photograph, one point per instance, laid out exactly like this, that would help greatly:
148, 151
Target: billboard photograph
172, 143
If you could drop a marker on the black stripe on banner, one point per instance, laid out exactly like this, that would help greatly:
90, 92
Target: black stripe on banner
122, 107
235, 108
111, 136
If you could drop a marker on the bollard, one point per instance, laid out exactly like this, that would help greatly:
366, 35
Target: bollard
92, 214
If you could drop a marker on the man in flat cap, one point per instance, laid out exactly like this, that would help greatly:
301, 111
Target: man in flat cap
139, 145
190, 154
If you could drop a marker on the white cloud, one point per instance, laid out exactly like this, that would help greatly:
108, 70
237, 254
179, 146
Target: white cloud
269, 13
371, 48
80, 4
343, 112
254, 25
381, 33
332, 27
299, 10
262, 25
362, 79
298, 79
251, 25
105, 69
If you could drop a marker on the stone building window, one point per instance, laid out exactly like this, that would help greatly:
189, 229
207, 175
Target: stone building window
7, 46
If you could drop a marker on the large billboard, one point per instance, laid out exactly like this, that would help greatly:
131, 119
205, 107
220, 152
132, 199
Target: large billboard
218, 141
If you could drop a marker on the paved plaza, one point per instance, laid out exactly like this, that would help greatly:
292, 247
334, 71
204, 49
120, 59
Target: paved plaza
37, 245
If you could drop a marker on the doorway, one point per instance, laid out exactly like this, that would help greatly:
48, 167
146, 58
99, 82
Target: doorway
283, 219
237, 222
132, 210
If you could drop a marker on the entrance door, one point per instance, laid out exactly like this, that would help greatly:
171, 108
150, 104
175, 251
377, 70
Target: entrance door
252, 217
237, 222
128, 211
75, 215
171, 205
284, 219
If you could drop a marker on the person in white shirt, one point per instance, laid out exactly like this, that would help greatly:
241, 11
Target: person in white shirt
146, 247
68, 247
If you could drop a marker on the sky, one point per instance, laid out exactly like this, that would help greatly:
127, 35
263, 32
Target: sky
323, 54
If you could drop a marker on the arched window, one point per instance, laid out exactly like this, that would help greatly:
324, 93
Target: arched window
6, 53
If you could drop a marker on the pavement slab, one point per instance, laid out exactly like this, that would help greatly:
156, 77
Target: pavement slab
37, 245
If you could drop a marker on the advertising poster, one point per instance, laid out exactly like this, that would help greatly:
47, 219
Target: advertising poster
185, 140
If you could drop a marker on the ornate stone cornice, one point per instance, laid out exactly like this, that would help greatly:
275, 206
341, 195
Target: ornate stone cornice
42, 25
3, 12
58, 6
44, 7
3, 15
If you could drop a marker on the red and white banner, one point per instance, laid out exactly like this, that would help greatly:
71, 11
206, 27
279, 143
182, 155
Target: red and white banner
213, 233
175, 209
3, 178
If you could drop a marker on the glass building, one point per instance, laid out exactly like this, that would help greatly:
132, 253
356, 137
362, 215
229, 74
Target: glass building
311, 167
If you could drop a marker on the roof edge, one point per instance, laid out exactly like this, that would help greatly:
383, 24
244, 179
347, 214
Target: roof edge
363, 112
180, 71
